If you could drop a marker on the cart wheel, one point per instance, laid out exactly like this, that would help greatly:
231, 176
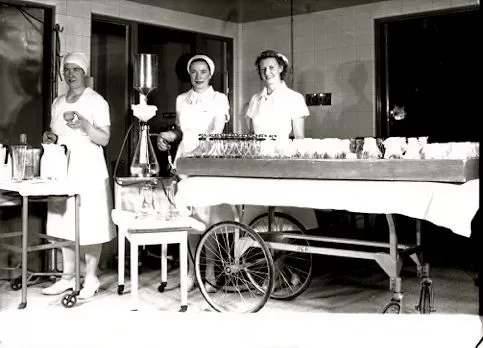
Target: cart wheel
292, 269
69, 300
162, 286
16, 283
120, 289
392, 307
425, 299
240, 259
183, 308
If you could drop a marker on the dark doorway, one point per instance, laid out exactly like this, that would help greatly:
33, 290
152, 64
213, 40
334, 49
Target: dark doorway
25, 71
427, 81
109, 67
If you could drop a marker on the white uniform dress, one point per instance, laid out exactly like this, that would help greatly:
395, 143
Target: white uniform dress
272, 114
87, 167
198, 114
201, 113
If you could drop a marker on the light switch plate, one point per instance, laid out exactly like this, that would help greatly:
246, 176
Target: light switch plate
312, 99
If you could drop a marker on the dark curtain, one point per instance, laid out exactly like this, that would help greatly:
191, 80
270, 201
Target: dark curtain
21, 73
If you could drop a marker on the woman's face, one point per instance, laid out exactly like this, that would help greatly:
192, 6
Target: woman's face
74, 75
270, 70
200, 75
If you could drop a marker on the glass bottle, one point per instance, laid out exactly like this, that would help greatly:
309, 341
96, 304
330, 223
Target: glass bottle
144, 163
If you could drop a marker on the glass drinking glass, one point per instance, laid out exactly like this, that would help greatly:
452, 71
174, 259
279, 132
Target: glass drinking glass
19, 158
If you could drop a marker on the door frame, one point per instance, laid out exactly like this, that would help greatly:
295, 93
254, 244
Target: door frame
382, 65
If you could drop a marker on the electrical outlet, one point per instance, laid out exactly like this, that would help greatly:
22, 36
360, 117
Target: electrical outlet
312, 99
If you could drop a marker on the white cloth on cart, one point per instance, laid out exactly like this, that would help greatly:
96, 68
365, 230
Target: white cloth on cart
448, 205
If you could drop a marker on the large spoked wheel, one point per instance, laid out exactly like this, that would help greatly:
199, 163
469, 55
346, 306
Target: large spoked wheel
230, 259
292, 269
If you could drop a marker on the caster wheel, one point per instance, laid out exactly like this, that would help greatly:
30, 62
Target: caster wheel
120, 289
183, 308
22, 305
69, 300
16, 284
162, 286
391, 308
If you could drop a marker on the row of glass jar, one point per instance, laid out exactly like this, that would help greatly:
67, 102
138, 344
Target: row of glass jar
268, 146
236, 146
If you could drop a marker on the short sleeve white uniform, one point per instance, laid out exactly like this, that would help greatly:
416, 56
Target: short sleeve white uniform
197, 113
87, 168
272, 114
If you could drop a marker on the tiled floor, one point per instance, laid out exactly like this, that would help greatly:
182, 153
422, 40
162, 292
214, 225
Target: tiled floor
353, 286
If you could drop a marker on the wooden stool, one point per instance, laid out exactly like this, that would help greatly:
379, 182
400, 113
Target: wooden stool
151, 231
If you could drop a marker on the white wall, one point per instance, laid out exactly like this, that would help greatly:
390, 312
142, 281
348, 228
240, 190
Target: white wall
334, 53
75, 17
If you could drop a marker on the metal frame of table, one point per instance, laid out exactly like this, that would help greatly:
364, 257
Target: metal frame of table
29, 190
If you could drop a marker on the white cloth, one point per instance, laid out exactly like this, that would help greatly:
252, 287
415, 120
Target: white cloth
87, 167
449, 205
207, 59
272, 114
79, 59
200, 113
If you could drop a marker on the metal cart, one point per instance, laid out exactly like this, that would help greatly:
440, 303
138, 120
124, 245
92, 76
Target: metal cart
36, 189
271, 256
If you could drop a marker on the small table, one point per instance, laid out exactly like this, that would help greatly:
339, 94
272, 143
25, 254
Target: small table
152, 231
29, 189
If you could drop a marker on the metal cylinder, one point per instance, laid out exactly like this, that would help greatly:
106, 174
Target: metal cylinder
145, 72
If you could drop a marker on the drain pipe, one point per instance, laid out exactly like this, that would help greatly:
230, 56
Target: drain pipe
291, 46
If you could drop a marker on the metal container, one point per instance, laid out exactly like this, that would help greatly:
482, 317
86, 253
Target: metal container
32, 163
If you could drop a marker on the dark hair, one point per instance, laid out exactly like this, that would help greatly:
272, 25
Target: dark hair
272, 54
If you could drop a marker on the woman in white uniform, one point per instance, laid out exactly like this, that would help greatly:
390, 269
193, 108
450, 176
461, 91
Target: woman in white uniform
201, 110
281, 111
84, 135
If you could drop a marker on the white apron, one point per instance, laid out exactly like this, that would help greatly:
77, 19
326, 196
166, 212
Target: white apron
87, 167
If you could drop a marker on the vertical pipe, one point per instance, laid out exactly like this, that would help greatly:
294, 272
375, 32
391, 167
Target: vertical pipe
291, 45
25, 222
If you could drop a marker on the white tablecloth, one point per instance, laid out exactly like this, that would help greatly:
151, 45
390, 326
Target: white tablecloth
449, 205
39, 187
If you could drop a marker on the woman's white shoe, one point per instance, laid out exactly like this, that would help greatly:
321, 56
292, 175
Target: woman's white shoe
91, 287
191, 282
60, 286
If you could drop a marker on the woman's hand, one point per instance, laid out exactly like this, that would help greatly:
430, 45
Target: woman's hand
164, 139
78, 122
49, 137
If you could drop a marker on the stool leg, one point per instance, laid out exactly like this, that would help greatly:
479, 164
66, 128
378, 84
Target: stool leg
164, 262
183, 273
134, 275
121, 245
164, 267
